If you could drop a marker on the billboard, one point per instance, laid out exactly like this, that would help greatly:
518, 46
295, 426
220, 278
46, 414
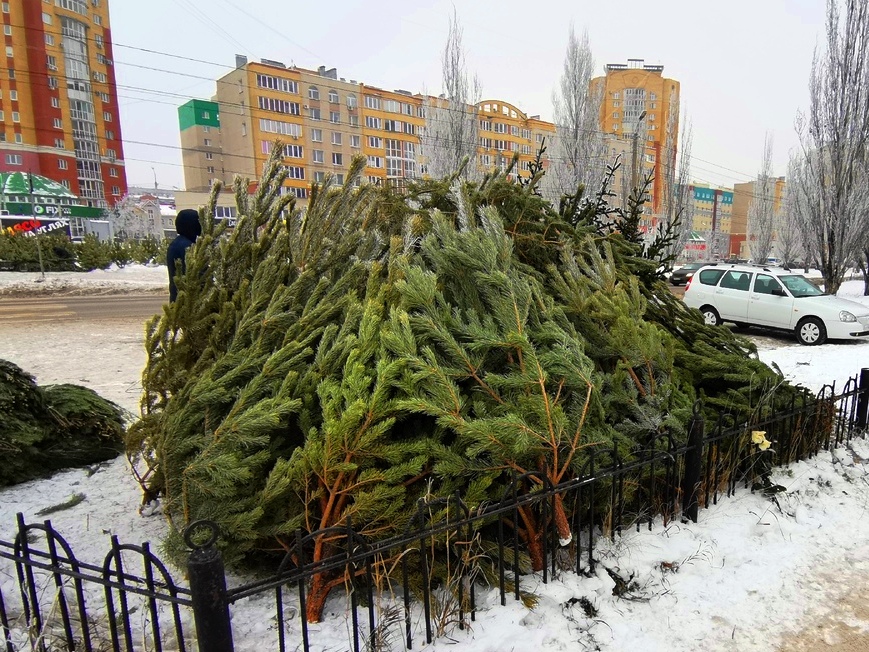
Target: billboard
32, 227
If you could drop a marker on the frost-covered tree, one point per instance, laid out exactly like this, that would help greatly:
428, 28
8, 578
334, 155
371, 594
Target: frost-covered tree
677, 206
578, 151
450, 135
833, 180
761, 210
788, 226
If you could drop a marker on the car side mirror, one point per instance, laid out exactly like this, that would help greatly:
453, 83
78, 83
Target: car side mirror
778, 292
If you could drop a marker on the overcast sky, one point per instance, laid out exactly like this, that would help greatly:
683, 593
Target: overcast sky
743, 64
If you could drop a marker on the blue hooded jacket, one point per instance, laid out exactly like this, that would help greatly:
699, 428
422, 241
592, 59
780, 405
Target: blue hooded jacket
188, 228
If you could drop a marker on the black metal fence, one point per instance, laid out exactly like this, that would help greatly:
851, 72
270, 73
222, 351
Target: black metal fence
418, 585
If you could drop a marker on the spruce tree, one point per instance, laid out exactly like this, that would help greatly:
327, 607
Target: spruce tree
330, 367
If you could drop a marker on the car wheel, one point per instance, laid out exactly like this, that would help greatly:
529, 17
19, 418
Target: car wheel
710, 315
811, 331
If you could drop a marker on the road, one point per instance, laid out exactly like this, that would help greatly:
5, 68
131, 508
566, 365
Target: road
95, 308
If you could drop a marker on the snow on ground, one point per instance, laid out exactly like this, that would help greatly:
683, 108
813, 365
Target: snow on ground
752, 575
131, 279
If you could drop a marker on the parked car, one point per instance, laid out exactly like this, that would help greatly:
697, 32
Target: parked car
775, 298
683, 274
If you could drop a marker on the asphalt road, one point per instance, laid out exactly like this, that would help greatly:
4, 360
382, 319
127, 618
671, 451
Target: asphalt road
23, 310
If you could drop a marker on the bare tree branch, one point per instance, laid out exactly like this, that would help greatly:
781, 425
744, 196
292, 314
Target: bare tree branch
578, 150
761, 209
449, 142
833, 191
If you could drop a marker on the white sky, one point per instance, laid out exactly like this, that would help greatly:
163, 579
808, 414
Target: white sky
743, 65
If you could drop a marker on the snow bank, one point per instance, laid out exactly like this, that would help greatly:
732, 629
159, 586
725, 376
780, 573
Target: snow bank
132, 279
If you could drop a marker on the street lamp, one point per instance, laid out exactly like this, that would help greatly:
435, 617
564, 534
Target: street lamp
635, 169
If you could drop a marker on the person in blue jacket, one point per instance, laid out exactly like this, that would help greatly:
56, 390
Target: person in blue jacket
188, 228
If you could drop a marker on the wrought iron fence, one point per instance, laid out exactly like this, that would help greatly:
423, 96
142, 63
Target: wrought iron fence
415, 585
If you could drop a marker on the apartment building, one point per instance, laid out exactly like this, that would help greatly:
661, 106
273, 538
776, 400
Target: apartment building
639, 116
743, 195
323, 121
505, 131
58, 99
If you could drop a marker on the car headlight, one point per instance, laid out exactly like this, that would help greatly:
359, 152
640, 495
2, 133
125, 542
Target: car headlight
846, 316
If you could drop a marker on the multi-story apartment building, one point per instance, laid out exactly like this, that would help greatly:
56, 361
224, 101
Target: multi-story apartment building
743, 195
324, 121
712, 213
639, 116
505, 131
58, 100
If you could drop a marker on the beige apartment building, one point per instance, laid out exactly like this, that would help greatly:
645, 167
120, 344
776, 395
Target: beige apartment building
323, 121
639, 116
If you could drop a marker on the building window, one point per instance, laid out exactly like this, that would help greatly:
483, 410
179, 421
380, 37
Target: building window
16, 117
295, 172
209, 156
9, 52
207, 142
314, 114
334, 117
375, 142
113, 172
353, 120
100, 77
55, 103
354, 141
62, 164
60, 143
5, 7
333, 97
278, 106
375, 162
14, 159
210, 169
372, 102
313, 93
58, 123
277, 84
99, 41
351, 101
294, 151
337, 159
317, 155
319, 177
13, 95
336, 138
277, 127
7, 30
11, 74
110, 135
2, 116
373, 123
616, 115
98, 20
111, 154
107, 117
317, 135
392, 106
19, 139
49, 39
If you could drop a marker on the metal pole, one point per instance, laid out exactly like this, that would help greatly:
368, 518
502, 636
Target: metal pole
208, 591
863, 399
693, 463
36, 235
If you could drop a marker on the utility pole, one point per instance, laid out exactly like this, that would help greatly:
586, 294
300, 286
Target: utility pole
36, 235
635, 166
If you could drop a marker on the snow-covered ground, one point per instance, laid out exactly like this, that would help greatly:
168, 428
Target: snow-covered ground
750, 576
131, 279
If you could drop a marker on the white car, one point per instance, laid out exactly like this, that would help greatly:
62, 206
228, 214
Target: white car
775, 298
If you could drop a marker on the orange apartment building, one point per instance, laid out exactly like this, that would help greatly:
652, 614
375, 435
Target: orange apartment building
324, 121
58, 99
637, 101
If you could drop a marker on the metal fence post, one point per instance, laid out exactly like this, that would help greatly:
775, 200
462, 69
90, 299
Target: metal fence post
208, 589
693, 464
863, 399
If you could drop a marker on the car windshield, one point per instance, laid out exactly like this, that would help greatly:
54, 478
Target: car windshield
691, 266
799, 286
